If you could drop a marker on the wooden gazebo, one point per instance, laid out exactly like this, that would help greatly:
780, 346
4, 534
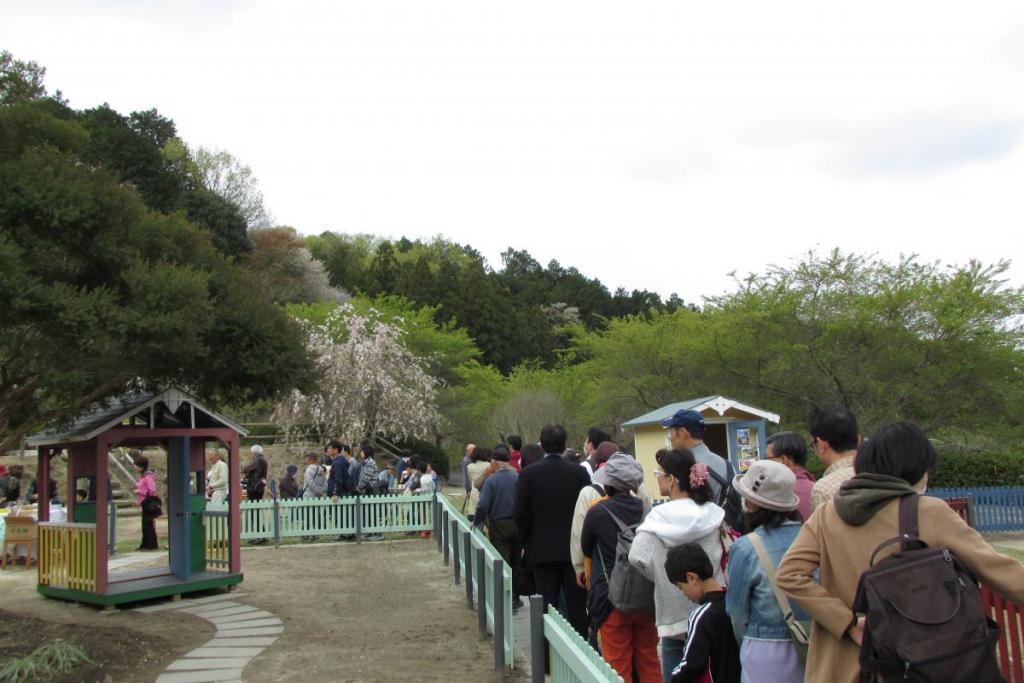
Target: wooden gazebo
204, 547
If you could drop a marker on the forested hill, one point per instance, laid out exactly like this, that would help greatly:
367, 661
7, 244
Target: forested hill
514, 312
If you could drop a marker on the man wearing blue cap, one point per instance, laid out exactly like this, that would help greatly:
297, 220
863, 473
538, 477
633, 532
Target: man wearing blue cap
686, 430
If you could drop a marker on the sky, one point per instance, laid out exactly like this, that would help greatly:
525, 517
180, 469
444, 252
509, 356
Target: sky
654, 145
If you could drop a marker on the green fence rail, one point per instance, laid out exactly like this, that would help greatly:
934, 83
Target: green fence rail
486, 576
573, 660
349, 516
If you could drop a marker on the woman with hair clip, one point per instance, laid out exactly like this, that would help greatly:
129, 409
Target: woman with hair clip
689, 516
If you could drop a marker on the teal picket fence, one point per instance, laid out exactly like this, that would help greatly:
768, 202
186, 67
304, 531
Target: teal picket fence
305, 517
572, 658
485, 575
992, 508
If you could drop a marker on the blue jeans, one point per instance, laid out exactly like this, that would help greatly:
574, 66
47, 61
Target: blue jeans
671, 654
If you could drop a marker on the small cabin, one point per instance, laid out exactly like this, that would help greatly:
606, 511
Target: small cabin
731, 429
204, 549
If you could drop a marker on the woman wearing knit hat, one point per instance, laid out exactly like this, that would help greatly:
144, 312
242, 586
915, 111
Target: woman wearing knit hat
767, 650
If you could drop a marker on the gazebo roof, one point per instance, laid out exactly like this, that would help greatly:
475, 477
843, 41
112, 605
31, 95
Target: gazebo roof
718, 404
133, 408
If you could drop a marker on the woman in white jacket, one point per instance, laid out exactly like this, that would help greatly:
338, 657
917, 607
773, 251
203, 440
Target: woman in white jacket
689, 516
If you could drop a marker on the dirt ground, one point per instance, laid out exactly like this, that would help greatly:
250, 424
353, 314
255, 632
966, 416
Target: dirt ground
126, 646
375, 612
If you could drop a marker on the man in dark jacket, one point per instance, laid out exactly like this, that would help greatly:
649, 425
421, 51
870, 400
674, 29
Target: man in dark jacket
338, 484
545, 500
497, 509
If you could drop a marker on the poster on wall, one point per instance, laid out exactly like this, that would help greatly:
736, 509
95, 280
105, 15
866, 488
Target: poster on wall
743, 437
747, 457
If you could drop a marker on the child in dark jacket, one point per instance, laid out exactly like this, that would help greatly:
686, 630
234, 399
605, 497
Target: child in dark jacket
711, 652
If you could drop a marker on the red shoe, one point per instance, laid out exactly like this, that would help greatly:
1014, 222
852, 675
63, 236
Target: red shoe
425, 534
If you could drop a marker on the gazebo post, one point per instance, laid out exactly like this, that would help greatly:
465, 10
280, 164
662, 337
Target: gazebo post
43, 484
234, 506
102, 446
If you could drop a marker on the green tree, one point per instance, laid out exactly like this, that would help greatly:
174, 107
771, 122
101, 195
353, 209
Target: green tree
20, 81
98, 292
220, 172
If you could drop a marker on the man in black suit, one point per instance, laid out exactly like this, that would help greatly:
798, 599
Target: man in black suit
545, 500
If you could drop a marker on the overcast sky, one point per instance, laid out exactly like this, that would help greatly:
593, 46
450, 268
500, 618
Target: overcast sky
655, 145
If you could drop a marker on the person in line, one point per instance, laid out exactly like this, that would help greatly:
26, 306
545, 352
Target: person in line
834, 438
838, 540
314, 478
353, 467
466, 460
532, 453
689, 516
545, 497
790, 449
767, 652
81, 495
386, 480
367, 483
403, 461
289, 487
571, 455
255, 474
686, 431
314, 485
496, 510
629, 642
711, 653
145, 492
426, 483
595, 437
217, 479
255, 477
479, 466
587, 497
339, 477
515, 453
368, 470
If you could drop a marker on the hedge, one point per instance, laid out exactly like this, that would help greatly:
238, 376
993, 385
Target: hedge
960, 469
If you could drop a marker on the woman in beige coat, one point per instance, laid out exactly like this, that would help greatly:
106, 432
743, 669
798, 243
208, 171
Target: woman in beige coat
841, 535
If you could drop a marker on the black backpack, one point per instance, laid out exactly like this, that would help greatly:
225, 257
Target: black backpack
926, 620
729, 499
629, 591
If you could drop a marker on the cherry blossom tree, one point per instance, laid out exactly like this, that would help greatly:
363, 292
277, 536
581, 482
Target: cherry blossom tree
370, 383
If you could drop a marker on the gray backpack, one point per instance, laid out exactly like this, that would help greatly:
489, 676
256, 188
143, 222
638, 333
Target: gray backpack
628, 590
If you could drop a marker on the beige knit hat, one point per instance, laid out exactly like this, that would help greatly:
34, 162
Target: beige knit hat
770, 485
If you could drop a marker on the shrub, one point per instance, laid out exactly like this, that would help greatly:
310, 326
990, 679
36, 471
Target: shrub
965, 469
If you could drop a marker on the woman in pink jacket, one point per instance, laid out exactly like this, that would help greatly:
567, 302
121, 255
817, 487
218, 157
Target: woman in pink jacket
145, 489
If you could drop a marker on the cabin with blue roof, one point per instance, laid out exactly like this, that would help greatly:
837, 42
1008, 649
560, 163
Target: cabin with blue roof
732, 429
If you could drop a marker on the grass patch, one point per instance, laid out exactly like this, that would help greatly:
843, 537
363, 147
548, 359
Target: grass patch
58, 657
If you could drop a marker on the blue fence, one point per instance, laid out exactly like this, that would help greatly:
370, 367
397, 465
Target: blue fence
992, 509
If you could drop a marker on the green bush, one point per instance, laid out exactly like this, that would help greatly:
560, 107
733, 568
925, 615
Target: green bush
959, 469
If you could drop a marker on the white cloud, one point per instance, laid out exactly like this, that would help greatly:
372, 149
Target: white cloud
658, 146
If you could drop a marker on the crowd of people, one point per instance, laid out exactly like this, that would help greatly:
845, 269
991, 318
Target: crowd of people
683, 590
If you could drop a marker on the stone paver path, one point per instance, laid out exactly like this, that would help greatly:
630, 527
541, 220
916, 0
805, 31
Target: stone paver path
243, 632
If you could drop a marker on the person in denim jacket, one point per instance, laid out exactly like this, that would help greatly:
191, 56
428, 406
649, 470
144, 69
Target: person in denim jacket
771, 507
